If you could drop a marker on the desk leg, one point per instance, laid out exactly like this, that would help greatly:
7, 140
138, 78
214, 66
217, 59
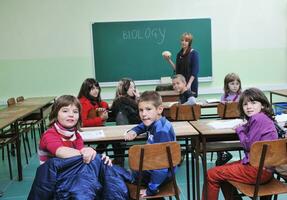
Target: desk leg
271, 98
42, 122
204, 167
18, 153
193, 176
187, 169
197, 149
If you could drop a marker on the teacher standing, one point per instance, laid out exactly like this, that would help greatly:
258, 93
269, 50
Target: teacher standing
187, 63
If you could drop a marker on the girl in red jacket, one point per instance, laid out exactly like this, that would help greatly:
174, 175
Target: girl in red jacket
94, 110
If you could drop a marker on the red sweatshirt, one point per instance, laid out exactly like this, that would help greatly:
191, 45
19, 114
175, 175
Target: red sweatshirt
87, 106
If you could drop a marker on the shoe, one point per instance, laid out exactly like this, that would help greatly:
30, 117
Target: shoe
223, 159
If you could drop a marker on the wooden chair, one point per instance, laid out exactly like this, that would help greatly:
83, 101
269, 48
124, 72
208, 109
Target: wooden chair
27, 124
20, 99
23, 129
180, 112
228, 110
164, 87
152, 157
265, 154
11, 101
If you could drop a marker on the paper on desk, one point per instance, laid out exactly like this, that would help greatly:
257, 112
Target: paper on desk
91, 135
169, 104
212, 100
225, 124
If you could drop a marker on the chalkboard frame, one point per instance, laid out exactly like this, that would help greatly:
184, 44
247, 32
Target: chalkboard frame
155, 81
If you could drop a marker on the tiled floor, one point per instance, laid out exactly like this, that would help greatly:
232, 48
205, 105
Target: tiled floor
15, 190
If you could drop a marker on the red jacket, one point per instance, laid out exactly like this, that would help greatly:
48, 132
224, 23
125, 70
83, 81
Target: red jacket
86, 107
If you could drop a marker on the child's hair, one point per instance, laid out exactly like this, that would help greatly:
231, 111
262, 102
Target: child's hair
86, 87
254, 94
187, 37
180, 77
123, 87
62, 101
152, 96
229, 78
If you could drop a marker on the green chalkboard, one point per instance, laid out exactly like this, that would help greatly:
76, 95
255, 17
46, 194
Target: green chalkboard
134, 49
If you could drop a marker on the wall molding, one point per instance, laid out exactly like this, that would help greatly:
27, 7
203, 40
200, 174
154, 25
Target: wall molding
215, 90
202, 91
150, 82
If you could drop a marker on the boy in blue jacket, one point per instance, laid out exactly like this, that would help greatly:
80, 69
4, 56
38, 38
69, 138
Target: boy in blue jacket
158, 130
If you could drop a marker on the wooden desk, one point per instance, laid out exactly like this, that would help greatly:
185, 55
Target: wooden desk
169, 96
182, 129
207, 134
10, 116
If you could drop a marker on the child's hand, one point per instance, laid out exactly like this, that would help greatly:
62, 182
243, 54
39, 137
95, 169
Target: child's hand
143, 193
100, 109
136, 93
104, 115
107, 160
88, 154
238, 125
130, 135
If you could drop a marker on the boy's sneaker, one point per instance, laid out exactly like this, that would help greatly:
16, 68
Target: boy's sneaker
223, 159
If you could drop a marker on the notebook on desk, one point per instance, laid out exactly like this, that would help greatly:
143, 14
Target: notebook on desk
92, 135
225, 124
212, 101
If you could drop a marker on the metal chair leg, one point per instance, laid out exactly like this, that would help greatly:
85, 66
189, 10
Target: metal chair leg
25, 149
9, 162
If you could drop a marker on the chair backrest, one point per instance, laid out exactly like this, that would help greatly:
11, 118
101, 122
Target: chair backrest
20, 99
276, 153
228, 110
154, 156
180, 112
11, 101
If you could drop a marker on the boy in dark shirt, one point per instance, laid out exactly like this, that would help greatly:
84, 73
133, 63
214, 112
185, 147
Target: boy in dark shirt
179, 85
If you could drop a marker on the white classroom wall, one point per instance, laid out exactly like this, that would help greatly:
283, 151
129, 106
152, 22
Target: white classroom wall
46, 46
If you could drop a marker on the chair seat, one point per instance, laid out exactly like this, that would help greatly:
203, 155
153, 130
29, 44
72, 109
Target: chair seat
164, 191
272, 187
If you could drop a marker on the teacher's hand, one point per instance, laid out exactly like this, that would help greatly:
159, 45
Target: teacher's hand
166, 55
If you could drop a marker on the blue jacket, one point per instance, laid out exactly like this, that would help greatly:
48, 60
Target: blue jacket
158, 132
70, 178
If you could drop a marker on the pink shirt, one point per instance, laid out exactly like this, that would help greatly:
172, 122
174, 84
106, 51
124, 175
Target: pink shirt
51, 140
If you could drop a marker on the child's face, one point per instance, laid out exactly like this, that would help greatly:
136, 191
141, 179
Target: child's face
94, 91
234, 86
149, 113
131, 90
251, 108
178, 85
68, 116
